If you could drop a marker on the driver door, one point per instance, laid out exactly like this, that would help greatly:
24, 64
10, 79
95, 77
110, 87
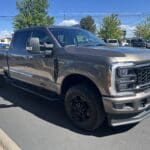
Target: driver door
40, 66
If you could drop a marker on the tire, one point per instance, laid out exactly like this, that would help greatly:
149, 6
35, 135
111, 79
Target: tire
84, 107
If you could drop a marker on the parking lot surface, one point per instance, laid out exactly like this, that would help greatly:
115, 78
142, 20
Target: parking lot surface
37, 124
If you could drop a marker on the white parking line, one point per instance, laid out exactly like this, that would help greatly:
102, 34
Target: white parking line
6, 143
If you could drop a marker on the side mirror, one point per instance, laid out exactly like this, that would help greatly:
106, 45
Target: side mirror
49, 46
33, 45
48, 49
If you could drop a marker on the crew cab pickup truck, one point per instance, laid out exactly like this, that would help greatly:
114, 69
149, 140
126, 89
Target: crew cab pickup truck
97, 82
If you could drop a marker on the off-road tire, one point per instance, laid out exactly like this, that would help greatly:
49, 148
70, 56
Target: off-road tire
94, 102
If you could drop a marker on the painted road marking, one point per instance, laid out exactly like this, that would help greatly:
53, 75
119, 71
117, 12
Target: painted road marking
6, 143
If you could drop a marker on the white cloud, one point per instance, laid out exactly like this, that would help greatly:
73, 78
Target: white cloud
130, 29
127, 27
4, 33
70, 22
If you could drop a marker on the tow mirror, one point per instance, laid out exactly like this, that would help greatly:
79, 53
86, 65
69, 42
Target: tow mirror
33, 45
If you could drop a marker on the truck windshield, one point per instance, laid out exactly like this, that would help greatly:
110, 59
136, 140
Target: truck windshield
77, 37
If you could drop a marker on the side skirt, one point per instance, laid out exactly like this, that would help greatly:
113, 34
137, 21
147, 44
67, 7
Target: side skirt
46, 94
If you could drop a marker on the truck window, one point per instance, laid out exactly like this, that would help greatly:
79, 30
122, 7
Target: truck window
76, 37
20, 40
81, 39
60, 35
43, 37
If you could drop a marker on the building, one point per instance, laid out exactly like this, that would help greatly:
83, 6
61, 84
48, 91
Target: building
5, 40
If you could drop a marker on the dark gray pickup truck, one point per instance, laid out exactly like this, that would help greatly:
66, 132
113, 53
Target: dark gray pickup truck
95, 81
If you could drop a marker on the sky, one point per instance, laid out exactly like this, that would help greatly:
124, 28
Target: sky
131, 12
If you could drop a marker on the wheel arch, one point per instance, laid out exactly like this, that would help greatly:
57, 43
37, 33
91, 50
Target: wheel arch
74, 79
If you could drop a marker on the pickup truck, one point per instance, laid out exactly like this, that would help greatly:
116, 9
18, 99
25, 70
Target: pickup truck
96, 82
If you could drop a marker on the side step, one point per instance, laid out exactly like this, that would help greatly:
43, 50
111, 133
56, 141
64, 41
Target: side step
37, 91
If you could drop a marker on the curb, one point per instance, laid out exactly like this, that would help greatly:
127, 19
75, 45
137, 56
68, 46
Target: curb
6, 143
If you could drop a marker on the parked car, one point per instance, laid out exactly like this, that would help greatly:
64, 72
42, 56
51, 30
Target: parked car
129, 42
112, 42
5, 42
148, 44
96, 82
138, 43
6, 46
124, 43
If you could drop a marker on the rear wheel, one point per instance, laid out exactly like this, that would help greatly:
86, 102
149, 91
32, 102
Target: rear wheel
84, 107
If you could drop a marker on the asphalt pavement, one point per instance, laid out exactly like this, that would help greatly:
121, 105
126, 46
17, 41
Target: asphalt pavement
37, 124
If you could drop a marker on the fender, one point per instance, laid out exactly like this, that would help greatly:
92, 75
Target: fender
95, 73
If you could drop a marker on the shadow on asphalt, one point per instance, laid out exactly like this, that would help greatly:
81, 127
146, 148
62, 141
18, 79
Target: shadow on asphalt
50, 111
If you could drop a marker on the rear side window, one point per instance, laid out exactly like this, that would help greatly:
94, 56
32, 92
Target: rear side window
43, 36
20, 40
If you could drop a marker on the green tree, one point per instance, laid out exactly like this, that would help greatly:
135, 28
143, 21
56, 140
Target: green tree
88, 23
110, 28
143, 29
32, 13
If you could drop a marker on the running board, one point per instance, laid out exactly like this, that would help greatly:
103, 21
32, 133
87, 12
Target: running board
35, 93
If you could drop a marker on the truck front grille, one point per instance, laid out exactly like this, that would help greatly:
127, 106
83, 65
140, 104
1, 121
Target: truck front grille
143, 76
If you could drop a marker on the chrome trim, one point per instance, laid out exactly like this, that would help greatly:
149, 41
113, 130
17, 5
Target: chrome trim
131, 81
142, 86
113, 90
142, 65
21, 73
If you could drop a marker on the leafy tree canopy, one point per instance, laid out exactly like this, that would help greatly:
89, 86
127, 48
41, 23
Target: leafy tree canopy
110, 28
88, 23
32, 13
143, 29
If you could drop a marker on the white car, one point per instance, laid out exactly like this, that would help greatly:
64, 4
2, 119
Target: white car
112, 42
124, 43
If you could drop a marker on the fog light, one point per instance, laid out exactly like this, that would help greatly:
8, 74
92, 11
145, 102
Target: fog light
118, 106
125, 107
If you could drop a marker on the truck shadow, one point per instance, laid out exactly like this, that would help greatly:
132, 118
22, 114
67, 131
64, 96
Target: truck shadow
51, 111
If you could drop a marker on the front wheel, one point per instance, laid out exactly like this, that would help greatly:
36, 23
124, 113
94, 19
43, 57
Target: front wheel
84, 107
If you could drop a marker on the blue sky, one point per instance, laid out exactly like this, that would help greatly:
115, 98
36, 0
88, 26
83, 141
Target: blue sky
75, 9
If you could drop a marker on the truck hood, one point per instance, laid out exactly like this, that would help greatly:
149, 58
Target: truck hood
120, 54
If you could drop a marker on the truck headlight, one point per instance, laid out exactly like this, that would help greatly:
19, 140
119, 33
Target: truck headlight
123, 79
122, 72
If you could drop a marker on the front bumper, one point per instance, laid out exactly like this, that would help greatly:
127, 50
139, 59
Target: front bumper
127, 110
